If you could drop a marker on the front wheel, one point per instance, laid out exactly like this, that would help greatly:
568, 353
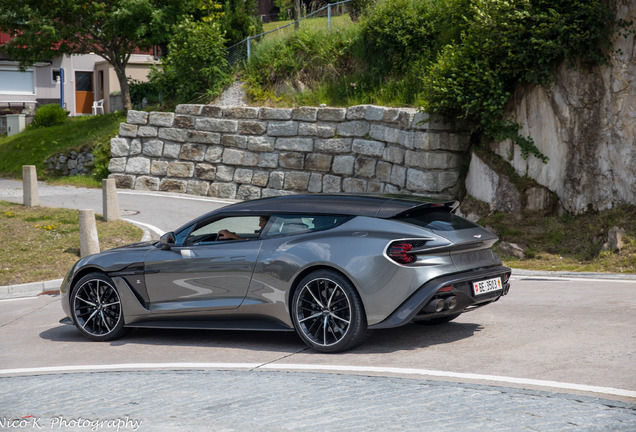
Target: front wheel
96, 308
327, 312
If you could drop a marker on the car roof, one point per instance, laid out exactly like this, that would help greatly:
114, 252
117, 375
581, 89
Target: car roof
380, 205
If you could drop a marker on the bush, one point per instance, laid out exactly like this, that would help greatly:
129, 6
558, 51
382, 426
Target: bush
358, 7
398, 33
49, 115
507, 43
144, 93
239, 20
196, 65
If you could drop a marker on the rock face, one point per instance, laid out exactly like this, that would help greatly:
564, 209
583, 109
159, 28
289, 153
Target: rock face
487, 185
512, 249
586, 124
614, 240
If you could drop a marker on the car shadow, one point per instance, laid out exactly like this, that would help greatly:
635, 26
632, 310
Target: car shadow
408, 337
416, 336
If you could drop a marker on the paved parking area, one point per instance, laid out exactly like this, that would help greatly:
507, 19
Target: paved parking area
531, 334
217, 400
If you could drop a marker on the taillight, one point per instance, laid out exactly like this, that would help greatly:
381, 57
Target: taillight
399, 252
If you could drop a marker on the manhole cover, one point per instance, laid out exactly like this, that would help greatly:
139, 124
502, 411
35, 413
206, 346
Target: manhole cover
129, 212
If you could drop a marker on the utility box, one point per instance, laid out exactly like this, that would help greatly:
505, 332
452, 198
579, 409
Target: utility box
15, 123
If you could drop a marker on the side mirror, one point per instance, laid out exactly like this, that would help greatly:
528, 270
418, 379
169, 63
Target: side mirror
168, 240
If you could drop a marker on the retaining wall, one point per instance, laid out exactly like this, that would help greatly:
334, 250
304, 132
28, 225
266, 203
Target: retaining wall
248, 152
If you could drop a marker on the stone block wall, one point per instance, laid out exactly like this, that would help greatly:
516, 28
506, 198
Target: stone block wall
249, 152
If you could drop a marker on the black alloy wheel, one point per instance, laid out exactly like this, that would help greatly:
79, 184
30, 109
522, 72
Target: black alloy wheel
328, 313
96, 308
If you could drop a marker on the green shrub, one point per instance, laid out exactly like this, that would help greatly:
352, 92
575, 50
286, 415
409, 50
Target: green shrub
400, 32
146, 91
285, 8
239, 20
507, 43
196, 65
102, 155
49, 115
306, 56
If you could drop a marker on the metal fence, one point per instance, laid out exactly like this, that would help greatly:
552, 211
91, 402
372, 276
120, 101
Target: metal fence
326, 17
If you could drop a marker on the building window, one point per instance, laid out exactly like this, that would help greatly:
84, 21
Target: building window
12, 81
56, 75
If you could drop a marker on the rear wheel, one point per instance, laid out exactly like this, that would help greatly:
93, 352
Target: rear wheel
96, 308
327, 312
438, 320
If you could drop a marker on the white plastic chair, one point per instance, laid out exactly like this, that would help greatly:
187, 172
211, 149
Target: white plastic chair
98, 106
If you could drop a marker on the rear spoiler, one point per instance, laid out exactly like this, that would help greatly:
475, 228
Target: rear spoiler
430, 204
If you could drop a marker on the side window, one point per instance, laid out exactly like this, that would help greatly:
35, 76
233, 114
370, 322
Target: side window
296, 224
245, 228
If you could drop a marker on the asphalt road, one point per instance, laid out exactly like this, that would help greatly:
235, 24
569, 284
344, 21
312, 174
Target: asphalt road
158, 211
555, 354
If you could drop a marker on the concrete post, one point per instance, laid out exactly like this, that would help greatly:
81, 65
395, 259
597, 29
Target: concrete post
89, 241
31, 197
110, 200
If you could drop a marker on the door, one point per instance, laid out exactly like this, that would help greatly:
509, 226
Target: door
203, 273
84, 95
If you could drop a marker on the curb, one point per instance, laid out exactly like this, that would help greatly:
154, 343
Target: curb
574, 275
30, 289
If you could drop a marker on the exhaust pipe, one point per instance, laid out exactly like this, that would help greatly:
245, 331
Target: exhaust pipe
437, 305
450, 303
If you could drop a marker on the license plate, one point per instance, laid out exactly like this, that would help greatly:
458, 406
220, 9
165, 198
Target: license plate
486, 286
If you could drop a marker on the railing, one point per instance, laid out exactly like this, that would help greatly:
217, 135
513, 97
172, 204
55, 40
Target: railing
243, 50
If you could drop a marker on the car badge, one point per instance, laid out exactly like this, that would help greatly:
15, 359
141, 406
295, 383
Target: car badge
477, 236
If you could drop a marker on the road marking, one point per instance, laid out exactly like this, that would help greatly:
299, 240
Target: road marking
327, 368
145, 225
443, 374
19, 298
128, 366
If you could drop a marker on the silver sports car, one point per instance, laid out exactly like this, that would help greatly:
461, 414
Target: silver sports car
330, 267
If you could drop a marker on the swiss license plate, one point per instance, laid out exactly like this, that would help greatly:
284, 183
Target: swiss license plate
486, 286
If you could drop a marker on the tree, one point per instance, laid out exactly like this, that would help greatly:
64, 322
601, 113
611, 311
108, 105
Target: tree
239, 20
112, 29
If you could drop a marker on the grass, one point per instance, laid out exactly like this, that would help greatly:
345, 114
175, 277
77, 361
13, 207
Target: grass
43, 243
568, 243
331, 67
310, 24
77, 181
34, 145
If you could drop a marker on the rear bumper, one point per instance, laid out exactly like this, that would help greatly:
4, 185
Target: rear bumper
413, 307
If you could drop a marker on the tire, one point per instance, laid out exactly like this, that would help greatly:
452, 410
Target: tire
96, 308
327, 312
438, 320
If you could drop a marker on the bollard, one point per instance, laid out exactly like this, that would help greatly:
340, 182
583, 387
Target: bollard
110, 201
89, 241
31, 197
